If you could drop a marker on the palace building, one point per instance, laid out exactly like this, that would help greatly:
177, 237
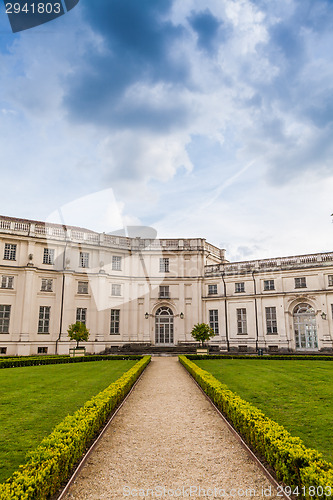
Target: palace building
137, 291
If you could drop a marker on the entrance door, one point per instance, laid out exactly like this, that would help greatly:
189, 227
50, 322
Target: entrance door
164, 326
305, 327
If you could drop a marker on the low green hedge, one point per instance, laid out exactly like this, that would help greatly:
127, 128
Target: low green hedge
269, 357
294, 464
50, 464
40, 360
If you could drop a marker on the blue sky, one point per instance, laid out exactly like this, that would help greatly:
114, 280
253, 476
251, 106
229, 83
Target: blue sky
202, 119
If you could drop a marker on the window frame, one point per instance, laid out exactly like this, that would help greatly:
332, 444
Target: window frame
10, 251
84, 260
7, 280
44, 318
81, 286
116, 289
269, 285
300, 282
5, 312
212, 289
271, 320
116, 263
330, 280
115, 322
48, 256
240, 287
164, 292
81, 315
46, 285
214, 320
241, 314
164, 265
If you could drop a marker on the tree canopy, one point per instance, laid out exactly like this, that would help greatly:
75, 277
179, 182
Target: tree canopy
79, 332
202, 332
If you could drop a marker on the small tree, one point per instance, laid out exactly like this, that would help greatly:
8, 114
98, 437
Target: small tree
202, 332
78, 331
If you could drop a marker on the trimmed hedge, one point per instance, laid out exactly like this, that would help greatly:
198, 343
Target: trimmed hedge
294, 464
50, 464
40, 360
269, 357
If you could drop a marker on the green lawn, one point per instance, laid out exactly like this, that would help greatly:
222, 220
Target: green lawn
296, 394
36, 398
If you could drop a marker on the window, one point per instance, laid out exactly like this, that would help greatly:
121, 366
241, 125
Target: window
44, 319
241, 321
214, 320
81, 315
82, 287
114, 325
48, 257
271, 323
3, 350
212, 289
116, 290
269, 285
164, 265
239, 287
41, 350
84, 259
300, 282
116, 263
10, 251
4, 318
47, 285
164, 292
330, 280
7, 281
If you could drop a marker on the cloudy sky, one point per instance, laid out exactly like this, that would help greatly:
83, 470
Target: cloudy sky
201, 119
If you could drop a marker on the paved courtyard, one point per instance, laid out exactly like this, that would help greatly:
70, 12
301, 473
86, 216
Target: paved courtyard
167, 441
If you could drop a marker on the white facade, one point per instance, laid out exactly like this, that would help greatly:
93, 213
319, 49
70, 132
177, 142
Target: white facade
146, 291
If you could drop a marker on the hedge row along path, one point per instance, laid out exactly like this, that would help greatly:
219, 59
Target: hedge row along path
168, 441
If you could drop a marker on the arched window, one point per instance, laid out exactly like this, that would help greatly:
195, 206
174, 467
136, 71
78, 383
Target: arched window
164, 326
305, 327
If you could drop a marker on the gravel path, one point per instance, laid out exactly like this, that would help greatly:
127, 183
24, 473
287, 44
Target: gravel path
167, 441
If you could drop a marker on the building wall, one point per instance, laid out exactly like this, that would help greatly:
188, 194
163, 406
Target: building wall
193, 265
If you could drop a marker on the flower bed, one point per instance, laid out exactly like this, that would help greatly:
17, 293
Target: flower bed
50, 464
295, 464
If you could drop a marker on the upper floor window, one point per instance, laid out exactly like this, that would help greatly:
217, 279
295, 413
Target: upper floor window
81, 315
241, 321
7, 281
212, 289
4, 318
116, 263
116, 290
48, 257
271, 322
115, 321
10, 251
330, 280
82, 287
164, 292
84, 259
300, 282
269, 285
164, 265
239, 287
214, 320
47, 285
44, 319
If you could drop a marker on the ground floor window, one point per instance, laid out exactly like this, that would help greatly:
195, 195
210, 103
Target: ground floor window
44, 319
4, 318
42, 350
81, 315
271, 323
305, 327
164, 326
115, 321
241, 321
214, 320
